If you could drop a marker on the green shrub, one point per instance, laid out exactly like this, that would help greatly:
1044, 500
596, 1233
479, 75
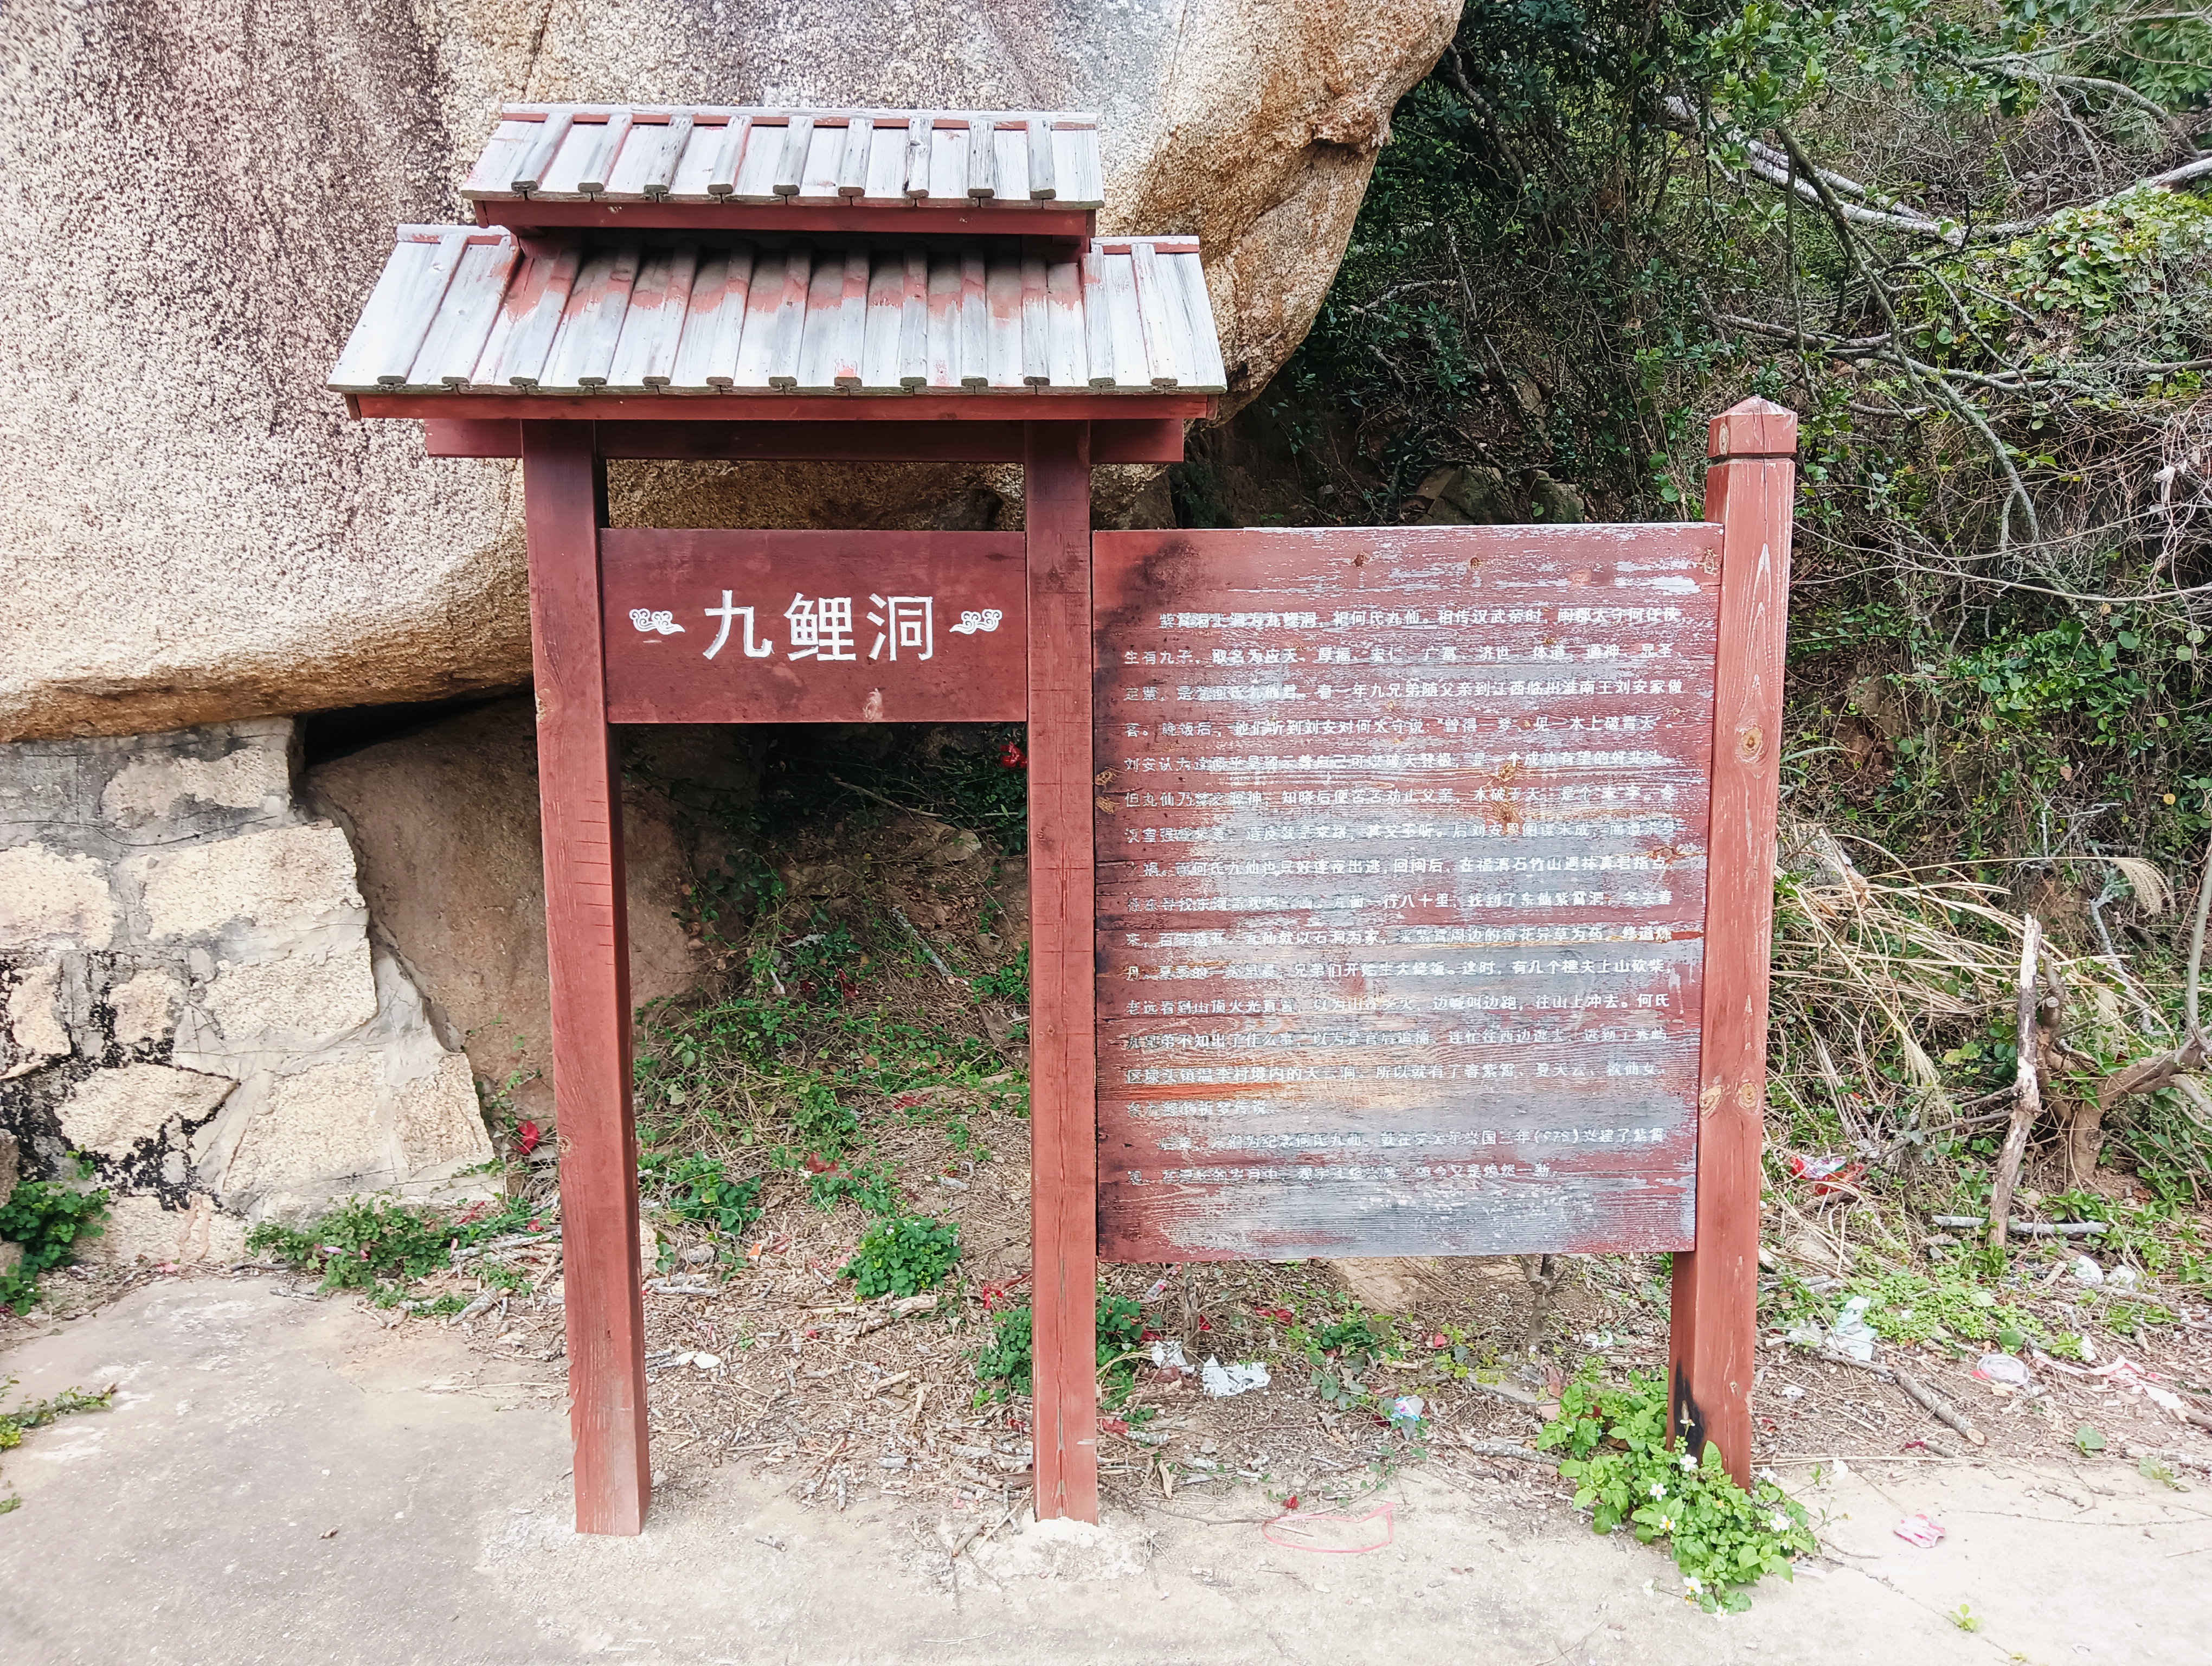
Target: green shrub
1724, 1540
47, 1219
902, 1256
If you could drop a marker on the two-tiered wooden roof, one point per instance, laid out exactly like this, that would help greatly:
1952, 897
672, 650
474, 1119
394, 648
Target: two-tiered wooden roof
708, 257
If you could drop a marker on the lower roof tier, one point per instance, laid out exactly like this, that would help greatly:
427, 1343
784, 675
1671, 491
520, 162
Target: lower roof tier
463, 310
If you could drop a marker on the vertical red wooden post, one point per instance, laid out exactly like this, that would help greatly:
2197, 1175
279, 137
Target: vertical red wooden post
1063, 1011
587, 946
1749, 488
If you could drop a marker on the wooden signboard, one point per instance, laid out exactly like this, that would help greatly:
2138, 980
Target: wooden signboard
1401, 888
750, 627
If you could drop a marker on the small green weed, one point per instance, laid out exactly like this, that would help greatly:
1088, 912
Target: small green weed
902, 1256
364, 1241
1002, 1363
2088, 1439
1724, 1540
874, 1186
35, 1413
1008, 982
699, 1189
1965, 1619
48, 1218
2151, 1467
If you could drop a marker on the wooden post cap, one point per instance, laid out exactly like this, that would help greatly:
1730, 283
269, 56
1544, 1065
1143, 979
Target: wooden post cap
1756, 427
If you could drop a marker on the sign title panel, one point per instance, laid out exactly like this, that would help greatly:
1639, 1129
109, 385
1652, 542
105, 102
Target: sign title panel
764, 627
1401, 888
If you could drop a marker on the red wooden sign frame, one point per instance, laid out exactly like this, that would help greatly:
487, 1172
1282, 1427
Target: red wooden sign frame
585, 682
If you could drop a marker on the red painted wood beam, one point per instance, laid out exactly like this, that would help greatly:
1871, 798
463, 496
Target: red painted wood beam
964, 220
1063, 1014
1713, 1340
580, 801
1156, 439
1003, 407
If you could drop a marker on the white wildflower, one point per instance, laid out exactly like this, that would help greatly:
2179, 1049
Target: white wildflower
1658, 1489
1780, 1522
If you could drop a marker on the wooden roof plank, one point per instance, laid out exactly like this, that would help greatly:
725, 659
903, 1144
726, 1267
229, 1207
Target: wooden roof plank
413, 307
373, 343
817, 339
851, 321
920, 149
516, 351
858, 151
763, 306
592, 176
456, 341
948, 167
1043, 167
791, 160
1131, 369
983, 155
884, 322
729, 318
825, 155
1207, 370
790, 330
975, 359
552, 132
502, 157
943, 358
591, 324
757, 169
1002, 294
1163, 351
660, 180
722, 176
1036, 368
1065, 362
914, 318
1098, 323
884, 185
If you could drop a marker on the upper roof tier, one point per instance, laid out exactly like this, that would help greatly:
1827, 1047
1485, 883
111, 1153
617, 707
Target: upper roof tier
543, 161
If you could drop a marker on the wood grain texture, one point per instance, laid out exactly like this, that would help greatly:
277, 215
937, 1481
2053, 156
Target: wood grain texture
768, 212
1713, 1336
1063, 1064
579, 799
1401, 889
680, 648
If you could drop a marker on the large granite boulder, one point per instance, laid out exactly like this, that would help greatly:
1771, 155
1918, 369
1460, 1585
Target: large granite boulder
193, 532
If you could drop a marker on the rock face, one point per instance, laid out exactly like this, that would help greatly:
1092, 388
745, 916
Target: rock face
192, 999
193, 532
446, 824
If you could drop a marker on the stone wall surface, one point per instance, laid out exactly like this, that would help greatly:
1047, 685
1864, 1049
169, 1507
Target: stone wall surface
445, 821
189, 995
203, 192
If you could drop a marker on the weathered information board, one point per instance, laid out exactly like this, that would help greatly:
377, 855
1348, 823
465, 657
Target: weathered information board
1401, 889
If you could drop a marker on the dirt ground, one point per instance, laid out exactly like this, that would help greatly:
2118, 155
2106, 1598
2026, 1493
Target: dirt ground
289, 1479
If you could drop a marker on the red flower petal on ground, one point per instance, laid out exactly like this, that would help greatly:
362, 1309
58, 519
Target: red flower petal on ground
1290, 1502
527, 1135
1013, 758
